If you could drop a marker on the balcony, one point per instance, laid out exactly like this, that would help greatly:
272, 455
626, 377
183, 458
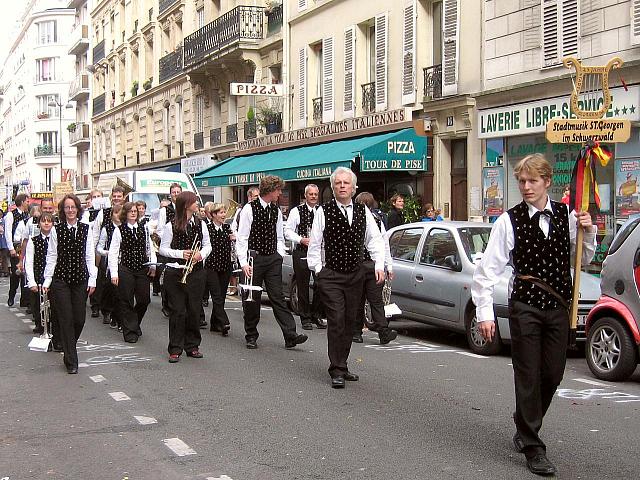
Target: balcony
273, 123
79, 136
224, 34
369, 98
317, 110
232, 133
250, 129
215, 137
98, 104
198, 141
45, 150
163, 5
433, 82
79, 39
171, 65
274, 20
79, 88
98, 52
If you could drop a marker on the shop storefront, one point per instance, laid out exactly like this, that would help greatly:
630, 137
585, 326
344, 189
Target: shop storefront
513, 132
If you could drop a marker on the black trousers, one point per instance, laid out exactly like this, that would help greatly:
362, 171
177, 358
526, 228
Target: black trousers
133, 299
160, 287
98, 293
14, 278
341, 293
69, 304
267, 269
217, 284
539, 341
309, 311
25, 293
35, 310
185, 303
371, 292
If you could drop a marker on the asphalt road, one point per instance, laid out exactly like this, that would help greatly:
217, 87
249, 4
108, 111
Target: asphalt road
425, 407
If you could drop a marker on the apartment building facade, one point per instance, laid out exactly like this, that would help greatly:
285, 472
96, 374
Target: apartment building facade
35, 85
526, 84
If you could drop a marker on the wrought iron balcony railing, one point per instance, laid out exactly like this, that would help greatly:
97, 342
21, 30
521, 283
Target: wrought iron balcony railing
98, 52
433, 82
198, 141
237, 24
170, 65
164, 5
274, 20
232, 133
45, 150
368, 98
215, 136
317, 110
250, 129
99, 104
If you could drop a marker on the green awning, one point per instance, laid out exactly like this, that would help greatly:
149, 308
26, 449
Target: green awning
320, 160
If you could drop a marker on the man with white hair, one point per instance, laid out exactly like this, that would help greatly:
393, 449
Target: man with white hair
346, 229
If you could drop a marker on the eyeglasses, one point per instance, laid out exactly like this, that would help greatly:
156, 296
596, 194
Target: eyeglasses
70, 207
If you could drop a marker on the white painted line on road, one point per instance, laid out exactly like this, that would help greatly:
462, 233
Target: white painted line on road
20, 314
591, 382
14, 309
627, 401
119, 396
221, 477
142, 420
178, 447
82, 365
474, 355
26, 320
97, 378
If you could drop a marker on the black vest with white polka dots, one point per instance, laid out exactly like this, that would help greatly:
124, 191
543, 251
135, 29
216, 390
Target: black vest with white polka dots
71, 266
184, 240
40, 247
263, 238
109, 227
133, 249
367, 255
106, 217
18, 216
219, 259
344, 243
171, 212
306, 221
547, 258
93, 214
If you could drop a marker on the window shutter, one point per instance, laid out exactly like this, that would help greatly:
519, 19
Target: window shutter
302, 5
302, 87
409, 53
569, 28
382, 43
450, 48
635, 22
328, 112
349, 71
560, 30
550, 53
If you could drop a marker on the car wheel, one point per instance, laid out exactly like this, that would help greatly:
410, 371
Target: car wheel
476, 342
611, 351
293, 297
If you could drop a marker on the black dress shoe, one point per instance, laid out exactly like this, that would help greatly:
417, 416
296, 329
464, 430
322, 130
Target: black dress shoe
251, 344
205, 303
319, 323
518, 443
29, 312
337, 382
131, 340
357, 338
72, 370
387, 335
165, 312
351, 377
10, 302
540, 465
203, 324
307, 326
225, 330
95, 313
297, 340
57, 348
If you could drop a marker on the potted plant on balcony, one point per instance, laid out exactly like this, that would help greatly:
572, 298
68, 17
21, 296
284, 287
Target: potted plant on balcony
148, 83
43, 115
71, 127
269, 119
134, 88
269, 5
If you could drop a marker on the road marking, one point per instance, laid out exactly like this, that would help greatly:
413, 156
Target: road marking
20, 314
474, 355
97, 378
25, 320
221, 477
119, 396
591, 382
145, 420
178, 447
14, 309
112, 360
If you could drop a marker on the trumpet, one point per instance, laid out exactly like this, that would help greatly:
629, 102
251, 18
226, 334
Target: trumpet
195, 249
250, 287
45, 313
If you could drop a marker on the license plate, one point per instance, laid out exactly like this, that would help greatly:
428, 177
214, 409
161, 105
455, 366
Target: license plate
582, 319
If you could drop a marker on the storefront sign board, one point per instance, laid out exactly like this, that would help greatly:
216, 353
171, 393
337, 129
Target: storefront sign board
403, 152
196, 164
573, 130
257, 89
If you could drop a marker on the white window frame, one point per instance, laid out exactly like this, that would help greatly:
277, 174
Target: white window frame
40, 62
47, 32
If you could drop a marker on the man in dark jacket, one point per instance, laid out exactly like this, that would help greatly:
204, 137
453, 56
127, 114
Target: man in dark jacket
395, 217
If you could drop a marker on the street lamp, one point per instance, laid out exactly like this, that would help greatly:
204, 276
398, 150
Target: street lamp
53, 104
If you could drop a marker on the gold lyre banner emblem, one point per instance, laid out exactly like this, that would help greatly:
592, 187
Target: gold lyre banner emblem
590, 101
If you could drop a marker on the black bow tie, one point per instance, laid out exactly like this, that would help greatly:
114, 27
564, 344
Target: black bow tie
546, 212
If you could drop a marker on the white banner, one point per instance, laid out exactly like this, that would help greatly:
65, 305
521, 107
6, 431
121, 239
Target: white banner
196, 164
257, 89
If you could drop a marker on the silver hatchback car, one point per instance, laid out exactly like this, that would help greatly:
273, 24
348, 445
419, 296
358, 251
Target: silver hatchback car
434, 264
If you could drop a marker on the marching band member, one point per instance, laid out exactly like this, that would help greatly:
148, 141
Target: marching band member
218, 266
12, 220
372, 291
25, 230
184, 300
130, 249
34, 262
261, 235
165, 216
109, 303
297, 229
143, 218
70, 273
346, 230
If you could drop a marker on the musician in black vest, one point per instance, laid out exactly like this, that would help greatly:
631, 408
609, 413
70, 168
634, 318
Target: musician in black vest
218, 265
252, 194
109, 305
372, 291
346, 229
261, 235
165, 216
26, 229
130, 249
34, 262
70, 273
297, 229
11, 222
537, 237
184, 300
94, 203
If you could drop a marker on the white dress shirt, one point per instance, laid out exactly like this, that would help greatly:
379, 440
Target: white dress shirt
101, 248
242, 238
167, 238
114, 249
234, 222
28, 262
8, 230
52, 257
162, 219
293, 221
373, 240
497, 256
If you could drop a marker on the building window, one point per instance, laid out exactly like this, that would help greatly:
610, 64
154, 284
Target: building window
48, 179
47, 32
49, 138
200, 15
560, 31
179, 121
199, 113
44, 108
45, 69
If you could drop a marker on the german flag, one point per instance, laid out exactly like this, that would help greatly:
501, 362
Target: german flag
584, 187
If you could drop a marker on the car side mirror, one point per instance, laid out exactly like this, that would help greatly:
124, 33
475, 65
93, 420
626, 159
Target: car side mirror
453, 263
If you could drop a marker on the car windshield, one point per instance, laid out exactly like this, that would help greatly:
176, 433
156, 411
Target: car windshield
152, 200
474, 240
